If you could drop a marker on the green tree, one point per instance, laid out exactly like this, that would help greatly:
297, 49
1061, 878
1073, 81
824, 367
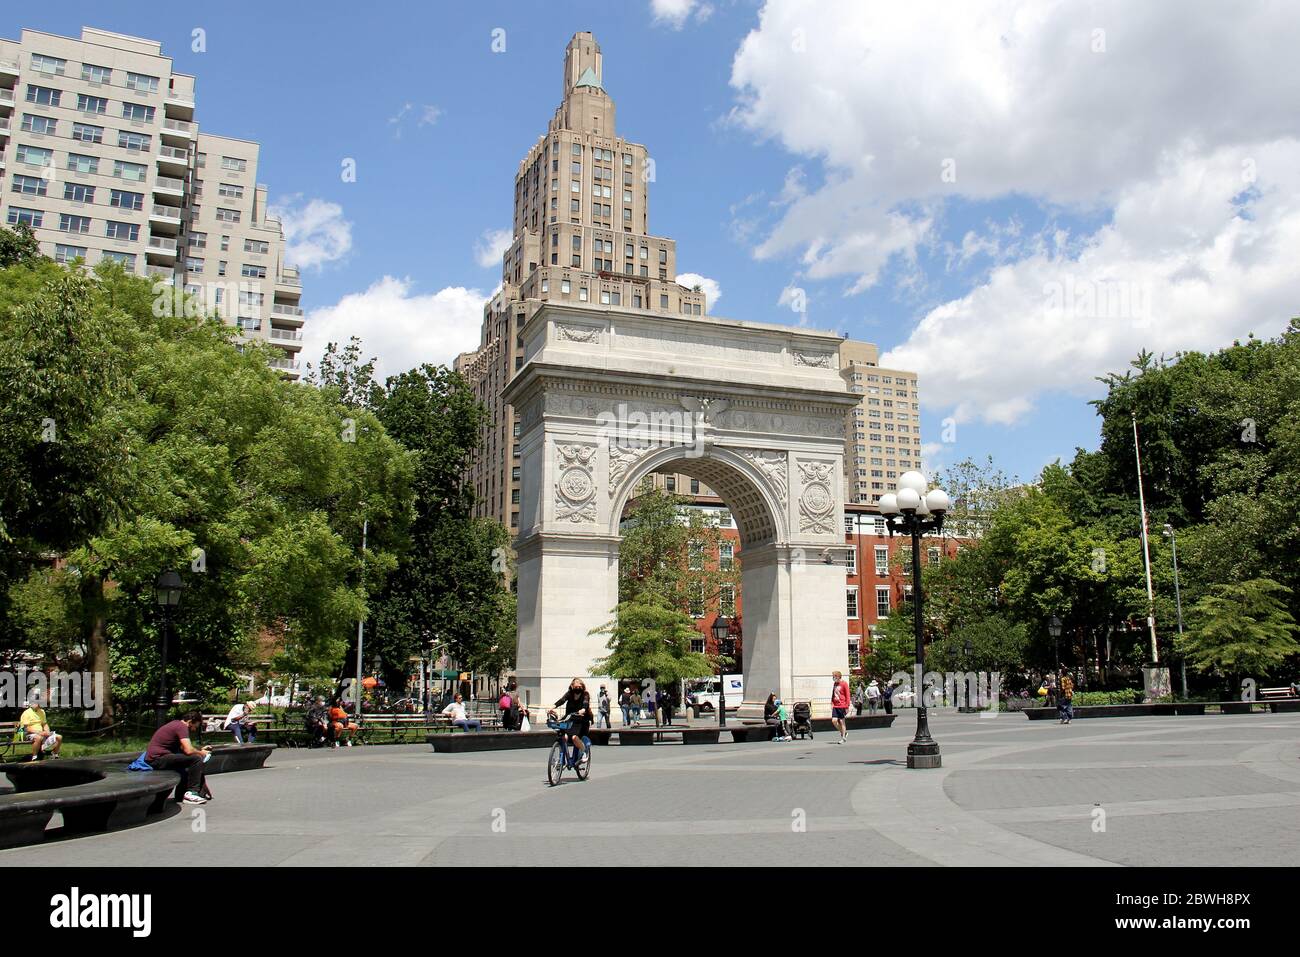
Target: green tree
18, 246
669, 549
1241, 630
650, 637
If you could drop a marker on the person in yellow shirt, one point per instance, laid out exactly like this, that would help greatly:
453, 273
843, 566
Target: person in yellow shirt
38, 732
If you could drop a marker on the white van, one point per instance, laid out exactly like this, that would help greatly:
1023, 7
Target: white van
703, 694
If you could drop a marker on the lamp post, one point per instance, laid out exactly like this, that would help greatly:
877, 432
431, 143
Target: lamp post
167, 592
1178, 599
1054, 629
721, 629
913, 510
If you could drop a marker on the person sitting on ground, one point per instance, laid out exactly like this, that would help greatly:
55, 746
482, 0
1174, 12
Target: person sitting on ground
459, 717
240, 723
170, 749
343, 728
318, 723
37, 728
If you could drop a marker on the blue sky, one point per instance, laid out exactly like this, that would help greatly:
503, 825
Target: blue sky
965, 188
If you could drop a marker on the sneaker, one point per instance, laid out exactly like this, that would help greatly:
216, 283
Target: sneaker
349, 742
193, 797
336, 744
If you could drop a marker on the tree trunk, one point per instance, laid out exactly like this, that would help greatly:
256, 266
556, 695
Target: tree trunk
94, 636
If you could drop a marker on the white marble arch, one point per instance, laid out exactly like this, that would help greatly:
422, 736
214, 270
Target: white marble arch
755, 412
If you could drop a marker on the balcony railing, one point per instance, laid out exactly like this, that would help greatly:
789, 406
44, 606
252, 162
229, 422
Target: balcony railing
4, 126
169, 182
286, 279
166, 212
179, 126
160, 272
10, 66
286, 335
282, 310
162, 244
172, 152
7, 96
282, 363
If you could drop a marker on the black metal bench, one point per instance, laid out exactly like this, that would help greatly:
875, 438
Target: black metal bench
490, 741
688, 735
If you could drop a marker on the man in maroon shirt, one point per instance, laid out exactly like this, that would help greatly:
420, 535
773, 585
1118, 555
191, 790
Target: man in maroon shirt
170, 750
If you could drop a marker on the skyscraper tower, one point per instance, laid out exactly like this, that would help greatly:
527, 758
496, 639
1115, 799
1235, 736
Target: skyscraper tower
580, 234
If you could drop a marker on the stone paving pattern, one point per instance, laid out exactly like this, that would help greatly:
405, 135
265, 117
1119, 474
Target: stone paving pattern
1213, 790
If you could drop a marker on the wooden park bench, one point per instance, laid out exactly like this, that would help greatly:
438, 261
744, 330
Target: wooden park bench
687, 734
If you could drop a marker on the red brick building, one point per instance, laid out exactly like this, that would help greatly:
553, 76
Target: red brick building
877, 577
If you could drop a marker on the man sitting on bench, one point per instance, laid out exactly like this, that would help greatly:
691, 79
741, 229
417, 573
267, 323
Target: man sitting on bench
37, 729
170, 749
459, 717
318, 724
343, 728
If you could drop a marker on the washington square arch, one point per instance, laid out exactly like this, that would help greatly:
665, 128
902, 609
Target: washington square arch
607, 396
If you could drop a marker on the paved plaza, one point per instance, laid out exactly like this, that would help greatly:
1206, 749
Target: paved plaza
1214, 790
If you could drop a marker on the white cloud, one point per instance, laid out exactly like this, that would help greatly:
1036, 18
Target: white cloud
402, 328
315, 231
491, 246
675, 13
429, 115
1138, 115
712, 291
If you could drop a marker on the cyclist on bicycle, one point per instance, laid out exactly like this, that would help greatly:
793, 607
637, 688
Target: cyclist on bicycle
577, 709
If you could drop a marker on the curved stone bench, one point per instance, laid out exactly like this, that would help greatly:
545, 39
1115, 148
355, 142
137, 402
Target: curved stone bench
90, 797
225, 758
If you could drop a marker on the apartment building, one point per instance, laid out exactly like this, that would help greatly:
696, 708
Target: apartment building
101, 154
882, 436
581, 234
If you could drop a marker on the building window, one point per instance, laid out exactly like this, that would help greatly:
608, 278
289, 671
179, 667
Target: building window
65, 254
256, 246
132, 171
932, 555
230, 191
227, 215
96, 74
882, 560
697, 600
140, 142
727, 601
137, 112
851, 601
87, 133
234, 164
78, 193
126, 260
126, 231
142, 83
42, 95
695, 555
37, 124
726, 556
855, 655
882, 602
124, 199
663, 301
252, 272
32, 217
48, 64
34, 155
851, 565
69, 223
30, 185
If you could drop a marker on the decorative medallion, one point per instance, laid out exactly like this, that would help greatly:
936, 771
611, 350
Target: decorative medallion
817, 502
575, 488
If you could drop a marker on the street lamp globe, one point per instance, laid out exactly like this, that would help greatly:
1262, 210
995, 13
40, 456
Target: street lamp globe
888, 504
1054, 627
909, 500
924, 508
912, 480
937, 500
721, 627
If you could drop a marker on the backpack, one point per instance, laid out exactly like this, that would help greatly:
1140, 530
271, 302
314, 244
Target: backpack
505, 702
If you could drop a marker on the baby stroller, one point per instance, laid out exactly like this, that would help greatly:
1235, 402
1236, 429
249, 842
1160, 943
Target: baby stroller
801, 720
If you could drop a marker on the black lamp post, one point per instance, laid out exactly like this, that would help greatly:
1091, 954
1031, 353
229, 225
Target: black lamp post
1054, 629
167, 591
966, 653
914, 510
721, 632
1178, 597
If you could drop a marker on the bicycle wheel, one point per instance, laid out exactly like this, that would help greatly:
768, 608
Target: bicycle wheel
555, 763
584, 765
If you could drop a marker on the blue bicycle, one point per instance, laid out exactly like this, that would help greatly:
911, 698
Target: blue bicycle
561, 757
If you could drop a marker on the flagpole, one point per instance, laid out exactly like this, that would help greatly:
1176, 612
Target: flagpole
1146, 547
